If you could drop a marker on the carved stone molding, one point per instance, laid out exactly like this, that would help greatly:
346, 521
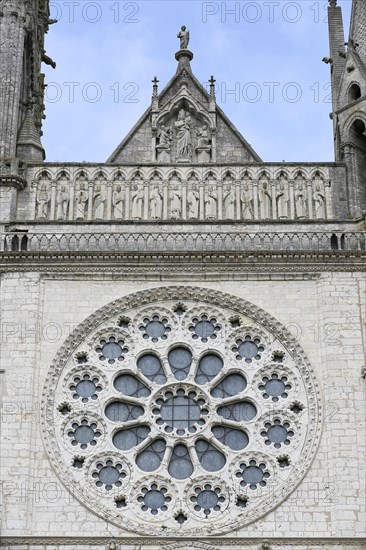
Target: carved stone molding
13, 181
138, 543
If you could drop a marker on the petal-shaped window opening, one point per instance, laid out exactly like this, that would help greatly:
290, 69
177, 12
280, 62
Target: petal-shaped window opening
210, 458
118, 411
209, 366
180, 466
228, 387
151, 367
238, 412
150, 458
131, 386
232, 438
180, 360
130, 438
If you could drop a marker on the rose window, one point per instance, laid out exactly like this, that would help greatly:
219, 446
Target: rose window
194, 413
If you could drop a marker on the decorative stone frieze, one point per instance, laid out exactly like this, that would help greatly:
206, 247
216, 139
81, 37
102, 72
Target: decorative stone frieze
183, 193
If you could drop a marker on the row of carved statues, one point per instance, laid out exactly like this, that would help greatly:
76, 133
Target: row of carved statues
263, 201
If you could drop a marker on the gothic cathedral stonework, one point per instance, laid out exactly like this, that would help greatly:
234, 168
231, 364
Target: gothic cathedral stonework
183, 326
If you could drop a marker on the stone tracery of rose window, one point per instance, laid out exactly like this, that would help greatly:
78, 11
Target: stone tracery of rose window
184, 412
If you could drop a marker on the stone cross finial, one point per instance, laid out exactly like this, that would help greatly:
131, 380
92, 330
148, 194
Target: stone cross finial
155, 82
212, 82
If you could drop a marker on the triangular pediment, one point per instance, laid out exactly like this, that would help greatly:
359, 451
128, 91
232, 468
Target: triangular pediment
184, 125
355, 73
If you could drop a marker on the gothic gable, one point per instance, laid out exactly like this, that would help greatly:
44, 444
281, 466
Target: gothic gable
354, 75
184, 125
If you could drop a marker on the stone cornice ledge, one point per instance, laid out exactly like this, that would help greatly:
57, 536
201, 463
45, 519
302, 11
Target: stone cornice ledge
118, 542
180, 262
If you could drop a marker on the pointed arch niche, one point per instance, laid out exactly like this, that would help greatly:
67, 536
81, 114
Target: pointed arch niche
184, 133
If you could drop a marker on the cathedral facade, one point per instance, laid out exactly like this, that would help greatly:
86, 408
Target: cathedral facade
183, 326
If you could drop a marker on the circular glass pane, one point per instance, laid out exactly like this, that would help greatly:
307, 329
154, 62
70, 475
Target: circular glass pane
85, 388
204, 329
275, 388
84, 435
248, 350
277, 434
155, 329
207, 499
180, 412
111, 350
180, 358
109, 475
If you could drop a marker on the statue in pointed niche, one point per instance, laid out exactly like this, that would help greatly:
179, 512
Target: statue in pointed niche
118, 202
246, 198
62, 201
175, 203
137, 199
156, 203
282, 198
229, 203
193, 201
300, 202
43, 199
99, 202
183, 133
81, 199
265, 201
211, 204
319, 201
183, 36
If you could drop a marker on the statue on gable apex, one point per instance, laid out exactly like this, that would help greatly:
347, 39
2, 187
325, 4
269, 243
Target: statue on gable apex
183, 35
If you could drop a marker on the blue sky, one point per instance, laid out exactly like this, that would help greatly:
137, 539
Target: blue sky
266, 53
